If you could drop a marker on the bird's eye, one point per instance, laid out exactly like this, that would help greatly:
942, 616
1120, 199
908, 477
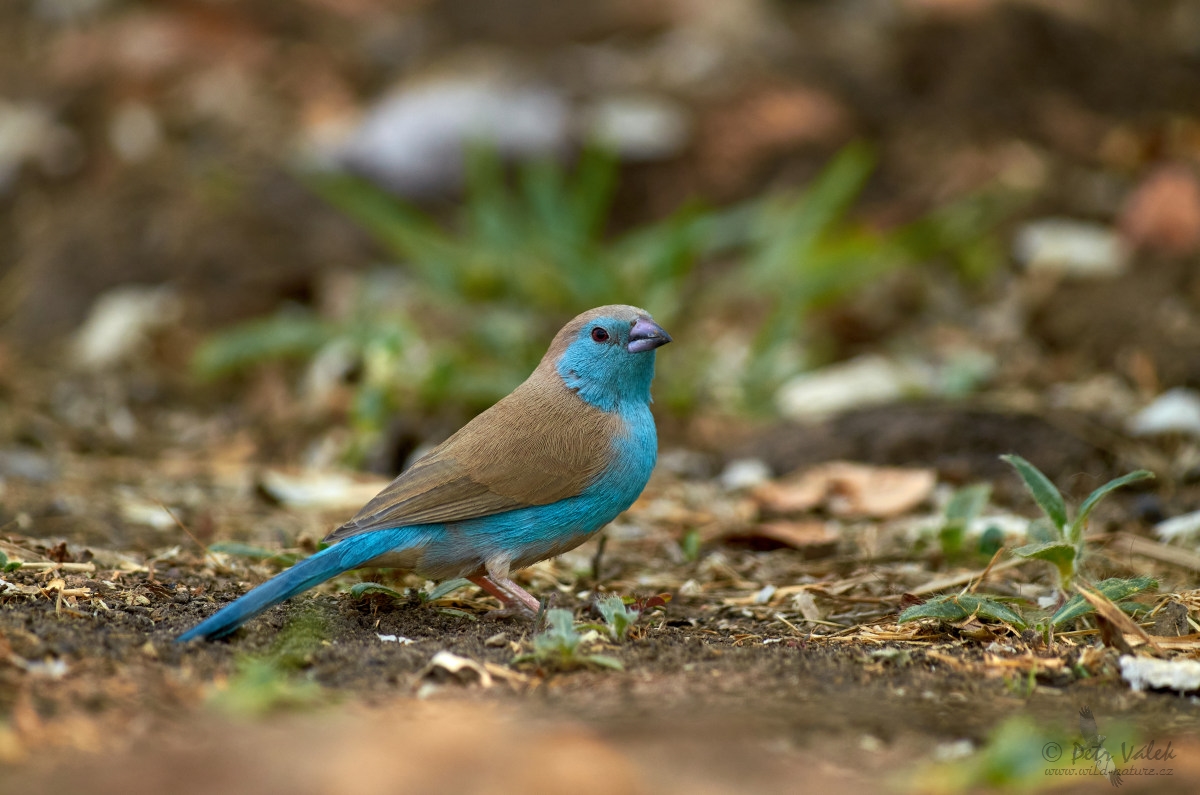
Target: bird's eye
599, 334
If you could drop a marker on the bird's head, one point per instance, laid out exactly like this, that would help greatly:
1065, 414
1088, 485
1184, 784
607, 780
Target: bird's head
606, 355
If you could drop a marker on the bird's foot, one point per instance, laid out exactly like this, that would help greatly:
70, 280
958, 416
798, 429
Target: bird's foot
516, 600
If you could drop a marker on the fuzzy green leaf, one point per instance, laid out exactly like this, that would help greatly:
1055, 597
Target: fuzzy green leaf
445, 589
1115, 588
1044, 493
966, 504
1093, 499
956, 607
1055, 552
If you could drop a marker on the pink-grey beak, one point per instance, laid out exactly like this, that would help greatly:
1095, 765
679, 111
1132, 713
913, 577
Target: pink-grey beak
646, 335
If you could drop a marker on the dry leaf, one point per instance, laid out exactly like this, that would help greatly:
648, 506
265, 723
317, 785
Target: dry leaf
1163, 212
848, 490
814, 539
459, 668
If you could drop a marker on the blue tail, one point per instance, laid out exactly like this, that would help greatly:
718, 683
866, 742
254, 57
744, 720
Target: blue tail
329, 562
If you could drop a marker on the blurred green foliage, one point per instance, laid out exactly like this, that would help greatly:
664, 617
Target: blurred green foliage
470, 306
272, 681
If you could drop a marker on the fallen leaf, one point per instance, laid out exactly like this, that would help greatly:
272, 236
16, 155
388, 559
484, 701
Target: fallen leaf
460, 669
815, 539
1163, 212
848, 490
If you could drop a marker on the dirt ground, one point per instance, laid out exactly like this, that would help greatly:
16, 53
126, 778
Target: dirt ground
721, 689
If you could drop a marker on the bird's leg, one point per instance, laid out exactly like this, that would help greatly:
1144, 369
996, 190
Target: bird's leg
514, 598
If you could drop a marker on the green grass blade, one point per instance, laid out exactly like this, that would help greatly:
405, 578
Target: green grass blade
284, 336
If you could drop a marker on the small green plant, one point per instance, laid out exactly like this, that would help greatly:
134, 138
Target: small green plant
7, 565
958, 607
269, 682
1060, 540
1116, 589
689, 545
560, 646
618, 616
964, 507
466, 312
1015, 757
257, 554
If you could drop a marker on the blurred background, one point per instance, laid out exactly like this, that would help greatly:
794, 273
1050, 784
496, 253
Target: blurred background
341, 212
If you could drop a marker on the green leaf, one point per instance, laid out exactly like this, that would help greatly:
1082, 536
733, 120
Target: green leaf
361, 589
1055, 552
1043, 491
240, 550
966, 504
1115, 588
617, 616
991, 541
284, 336
604, 661
445, 589
956, 607
1093, 499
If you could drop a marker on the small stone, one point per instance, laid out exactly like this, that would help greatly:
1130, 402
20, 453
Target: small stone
1076, 248
1174, 411
744, 473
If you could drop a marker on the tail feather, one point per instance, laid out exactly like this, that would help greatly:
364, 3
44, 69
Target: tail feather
349, 554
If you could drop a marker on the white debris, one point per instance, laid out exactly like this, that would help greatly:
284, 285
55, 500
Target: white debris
28, 133
958, 749
1182, 676
137, 510
414, 141
744, 473
1178, 528
403, 641
134, 132
1076, 248
1174, 411
120, 323
639, 126
319, 489
765, 594
863, 381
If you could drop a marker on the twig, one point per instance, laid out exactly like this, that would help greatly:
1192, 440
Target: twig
1164, 553
50, 564
987, 570
963, 579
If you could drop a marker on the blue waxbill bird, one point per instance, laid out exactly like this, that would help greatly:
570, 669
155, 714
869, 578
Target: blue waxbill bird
533, 476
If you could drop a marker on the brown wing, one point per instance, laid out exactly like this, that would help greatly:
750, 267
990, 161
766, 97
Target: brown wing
539, 445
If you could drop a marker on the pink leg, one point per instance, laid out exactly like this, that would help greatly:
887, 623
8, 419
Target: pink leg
511, 595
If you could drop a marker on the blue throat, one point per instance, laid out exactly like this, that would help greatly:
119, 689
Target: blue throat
611, 381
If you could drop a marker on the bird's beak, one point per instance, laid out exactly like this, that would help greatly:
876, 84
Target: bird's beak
646, 335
